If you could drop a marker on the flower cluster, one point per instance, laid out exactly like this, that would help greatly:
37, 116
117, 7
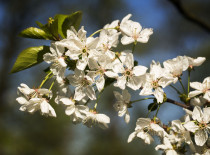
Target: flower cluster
95, 64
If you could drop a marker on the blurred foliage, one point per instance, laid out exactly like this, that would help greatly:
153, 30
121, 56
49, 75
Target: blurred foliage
22, 133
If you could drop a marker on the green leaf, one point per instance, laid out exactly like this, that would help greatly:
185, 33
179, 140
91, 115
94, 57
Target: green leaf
47, 70
35, 33
152, 106
39, 24
30, 57
53, 28
66, 21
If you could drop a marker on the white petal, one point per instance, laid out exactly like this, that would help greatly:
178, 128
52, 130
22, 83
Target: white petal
121, 108
134, 82
126, 95
147, 90
90, 92
44, 106
102, 118
139, 70
66, 101
206, 115
100, 83
48, 57
146, 137
159, 130
201, 137
62, 62
191, 126
127, 117
195, 93
111, 74
43, 91
129, 62
92, 63
158, 93
79, 93
21, 100
196, 85
81, 64
171, 152
127, 40
51, 111
198, 61
144, 35
131, 136
118, 96
207, 96
70, 110
162, 147
118, 67
197, 114
120, 82
143, 122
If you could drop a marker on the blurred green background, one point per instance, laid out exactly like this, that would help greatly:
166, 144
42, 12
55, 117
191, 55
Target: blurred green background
179, 29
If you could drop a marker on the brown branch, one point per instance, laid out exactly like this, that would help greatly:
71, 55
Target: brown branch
190, 17
179, 104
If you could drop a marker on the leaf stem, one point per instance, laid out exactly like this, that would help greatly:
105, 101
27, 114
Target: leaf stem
99, 31
52, 85
188, 82
180, 81
99, 96
175, 89
45, 79
157, 111
141, 99
134, 45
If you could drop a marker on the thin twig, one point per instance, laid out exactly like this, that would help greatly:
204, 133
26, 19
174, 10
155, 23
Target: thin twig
190, 17
179, 104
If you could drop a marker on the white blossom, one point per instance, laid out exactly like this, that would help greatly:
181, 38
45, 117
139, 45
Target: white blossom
167, 147
106, 42
83, 84
179, 135
122, 104
57, 60
133, 31
93, 118
63, 90
76, 112
130, 74
175, 67
198, 101
144, 126
201, 88
32, 100
199, 125
79, 47
195, 62
41, 104
111, 28
100, 68
155, 80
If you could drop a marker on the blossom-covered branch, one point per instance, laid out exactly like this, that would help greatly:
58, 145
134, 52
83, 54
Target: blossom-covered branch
82, 67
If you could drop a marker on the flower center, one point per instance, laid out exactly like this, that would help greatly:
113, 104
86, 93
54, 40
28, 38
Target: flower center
85, 82
155, 84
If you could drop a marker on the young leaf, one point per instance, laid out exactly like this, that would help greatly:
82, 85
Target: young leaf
152, 106
66, 21
35, 33
29, 57
53, 27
